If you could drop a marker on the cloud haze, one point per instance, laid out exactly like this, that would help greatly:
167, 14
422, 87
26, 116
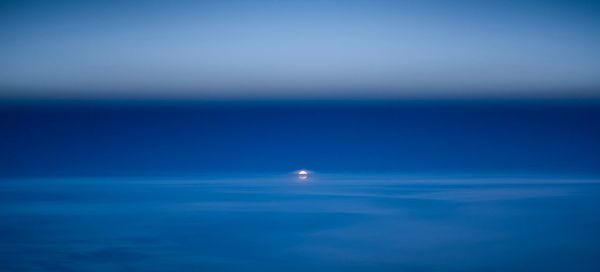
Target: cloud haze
308, 49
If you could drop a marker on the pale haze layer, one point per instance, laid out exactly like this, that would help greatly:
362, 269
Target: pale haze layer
299, 49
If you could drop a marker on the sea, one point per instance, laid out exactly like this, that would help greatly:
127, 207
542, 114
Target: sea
278, 222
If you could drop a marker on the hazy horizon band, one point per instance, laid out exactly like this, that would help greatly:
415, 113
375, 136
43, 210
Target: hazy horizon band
299, 50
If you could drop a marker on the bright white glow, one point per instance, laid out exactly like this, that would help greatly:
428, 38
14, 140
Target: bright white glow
302, 175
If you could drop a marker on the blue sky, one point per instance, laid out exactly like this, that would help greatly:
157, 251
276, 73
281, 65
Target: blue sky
181, 139
299, 49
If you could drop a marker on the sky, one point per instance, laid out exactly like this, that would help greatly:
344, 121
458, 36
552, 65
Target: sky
276, 86
299, 49
407, 138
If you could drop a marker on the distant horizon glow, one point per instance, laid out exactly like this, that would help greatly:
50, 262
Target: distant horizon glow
303, 175
299, 50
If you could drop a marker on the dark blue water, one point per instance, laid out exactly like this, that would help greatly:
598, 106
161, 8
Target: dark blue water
277, 223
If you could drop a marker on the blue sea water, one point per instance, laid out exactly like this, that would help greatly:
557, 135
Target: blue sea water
278, 223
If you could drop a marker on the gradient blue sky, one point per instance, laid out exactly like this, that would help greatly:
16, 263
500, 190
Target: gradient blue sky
299, 49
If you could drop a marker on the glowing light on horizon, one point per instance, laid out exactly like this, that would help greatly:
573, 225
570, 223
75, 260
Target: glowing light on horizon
302, 175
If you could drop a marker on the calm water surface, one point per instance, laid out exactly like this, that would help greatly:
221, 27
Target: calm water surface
330, 223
